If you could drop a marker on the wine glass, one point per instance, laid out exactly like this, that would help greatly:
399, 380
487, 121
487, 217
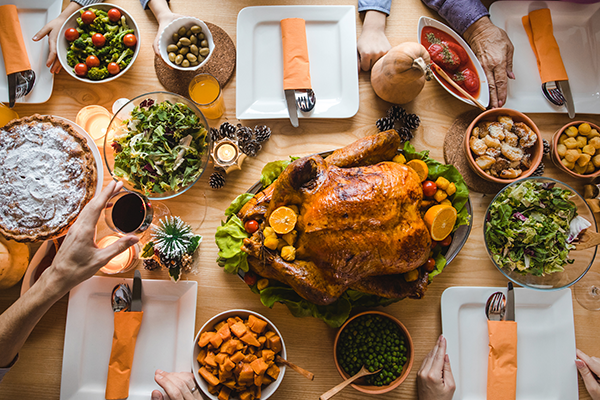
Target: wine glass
131, 212
587, 291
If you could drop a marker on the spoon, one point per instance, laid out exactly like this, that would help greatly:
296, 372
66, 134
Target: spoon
121, 298
308, 375
588, 239
495, 307
363, 372
305, 99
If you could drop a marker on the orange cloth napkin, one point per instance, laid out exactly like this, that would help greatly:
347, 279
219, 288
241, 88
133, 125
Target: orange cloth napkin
296, 68
11, 41
502, 360
127, 326
538, 25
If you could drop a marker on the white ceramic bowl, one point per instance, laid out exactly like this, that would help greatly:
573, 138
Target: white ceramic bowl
62, 45
484, 93
209, 325
166, 38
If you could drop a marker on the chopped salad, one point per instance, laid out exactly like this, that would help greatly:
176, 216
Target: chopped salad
160, 147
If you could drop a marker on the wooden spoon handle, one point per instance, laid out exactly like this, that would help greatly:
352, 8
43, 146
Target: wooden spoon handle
589, 239
445, 76
332, 392
308, 375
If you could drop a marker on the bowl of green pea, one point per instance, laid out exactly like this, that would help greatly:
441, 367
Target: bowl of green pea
375, 340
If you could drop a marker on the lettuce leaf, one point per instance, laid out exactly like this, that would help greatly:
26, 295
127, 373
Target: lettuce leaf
230, 237
272, 170
237, 204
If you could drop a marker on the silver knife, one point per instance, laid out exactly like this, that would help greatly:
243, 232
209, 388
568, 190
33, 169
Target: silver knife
290, 98
136, 298
510, 302
566, 91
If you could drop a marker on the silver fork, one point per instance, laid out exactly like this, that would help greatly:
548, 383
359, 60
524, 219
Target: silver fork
553, 93
305, 99
495, 307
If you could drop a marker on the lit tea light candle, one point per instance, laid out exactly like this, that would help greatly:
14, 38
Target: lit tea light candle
121, 262
94, 120
226, 152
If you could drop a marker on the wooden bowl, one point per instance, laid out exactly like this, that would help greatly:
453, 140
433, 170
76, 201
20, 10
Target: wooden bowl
537, 151
370, 389
556, 157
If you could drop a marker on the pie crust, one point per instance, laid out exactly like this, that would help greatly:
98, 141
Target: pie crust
47, 175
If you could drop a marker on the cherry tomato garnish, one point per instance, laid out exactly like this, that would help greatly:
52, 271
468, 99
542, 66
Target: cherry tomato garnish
251, 226
113, 68
130, 40
250, 278
92, 61
71, 34
81, 69
446, 242
114, 15
429, 188
429, 264
434, 243
98, 39
88, 17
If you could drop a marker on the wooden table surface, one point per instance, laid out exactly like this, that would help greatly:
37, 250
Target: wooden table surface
37, 375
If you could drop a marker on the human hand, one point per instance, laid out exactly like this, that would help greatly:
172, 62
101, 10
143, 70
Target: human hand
434, 379
494, 50
177, 385
589, 369
78, 257
372, 43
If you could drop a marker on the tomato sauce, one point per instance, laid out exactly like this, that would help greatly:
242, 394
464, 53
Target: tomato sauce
449, 55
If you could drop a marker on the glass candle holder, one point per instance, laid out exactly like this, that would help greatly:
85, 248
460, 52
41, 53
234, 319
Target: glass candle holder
205, 91
122, 262
94, 120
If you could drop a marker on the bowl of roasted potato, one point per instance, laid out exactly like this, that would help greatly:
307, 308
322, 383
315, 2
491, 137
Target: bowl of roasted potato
576, 149
234, 356
503, 145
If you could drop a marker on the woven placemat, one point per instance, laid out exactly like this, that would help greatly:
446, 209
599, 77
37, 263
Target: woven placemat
454, 153
221, 64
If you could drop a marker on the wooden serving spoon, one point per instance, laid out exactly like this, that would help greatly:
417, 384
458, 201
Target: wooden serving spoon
308, 375
588, 239
363, 372
462, 91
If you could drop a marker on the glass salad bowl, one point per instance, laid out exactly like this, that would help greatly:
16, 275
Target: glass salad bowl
514, 212
157, 144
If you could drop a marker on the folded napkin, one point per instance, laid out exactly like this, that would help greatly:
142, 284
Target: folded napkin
11, 41
296, 68
502, 360
127, 326
538, 25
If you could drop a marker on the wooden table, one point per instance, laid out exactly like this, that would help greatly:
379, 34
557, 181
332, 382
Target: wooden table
309, 341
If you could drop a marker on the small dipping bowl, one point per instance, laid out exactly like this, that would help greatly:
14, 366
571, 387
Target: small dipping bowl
556, 159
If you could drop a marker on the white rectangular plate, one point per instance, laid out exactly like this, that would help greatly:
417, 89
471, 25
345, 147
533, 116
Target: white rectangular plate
545, 348
165, 340
331, 37
33, 15
577, 31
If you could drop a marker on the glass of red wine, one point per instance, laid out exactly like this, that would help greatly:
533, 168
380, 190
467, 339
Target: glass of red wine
128, 212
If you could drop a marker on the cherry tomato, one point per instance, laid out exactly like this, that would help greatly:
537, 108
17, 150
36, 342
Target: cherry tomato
98, 39
446, 242
81, 69
429, 188
114, 15
250, 278
429, 264
130, 40
113, 68
434, 243
251, 226
71, 34
88, 17
92, 61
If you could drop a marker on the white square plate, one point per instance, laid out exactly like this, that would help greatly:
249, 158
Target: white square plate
331, 37
577, 32
545, 349
33, 15
165, 340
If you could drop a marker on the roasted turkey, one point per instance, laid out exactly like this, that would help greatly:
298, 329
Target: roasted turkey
359, 224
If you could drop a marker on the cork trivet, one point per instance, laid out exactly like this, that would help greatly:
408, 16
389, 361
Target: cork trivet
454, 153
220, 64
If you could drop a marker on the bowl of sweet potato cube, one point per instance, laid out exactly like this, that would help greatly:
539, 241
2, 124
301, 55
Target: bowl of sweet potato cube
234, 356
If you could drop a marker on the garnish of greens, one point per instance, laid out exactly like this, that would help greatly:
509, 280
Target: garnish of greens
528, 228
230, 235
160, 147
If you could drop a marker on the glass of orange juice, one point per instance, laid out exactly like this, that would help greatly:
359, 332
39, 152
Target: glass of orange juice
205, 91
6, 115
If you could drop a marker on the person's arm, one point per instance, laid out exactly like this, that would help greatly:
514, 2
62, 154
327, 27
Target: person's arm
77, 260
164, 16
589, 369
434, 379
372, 43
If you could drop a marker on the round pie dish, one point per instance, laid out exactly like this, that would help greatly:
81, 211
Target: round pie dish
556, 159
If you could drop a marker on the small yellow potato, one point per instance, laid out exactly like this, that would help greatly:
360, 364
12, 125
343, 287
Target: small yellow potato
589, 149
568, 164
579, 169
583, 160
572, 155
581, 141
562, 138
442, 183
596, 161
561, 149
590, 168
585, 129
595, 141
571, 143
572, 131
593, 133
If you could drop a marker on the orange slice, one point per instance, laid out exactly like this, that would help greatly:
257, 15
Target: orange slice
420, 168
283, 220
440, 220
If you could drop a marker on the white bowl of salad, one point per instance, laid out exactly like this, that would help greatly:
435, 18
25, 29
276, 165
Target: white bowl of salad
98, 43
531, 229
157, 144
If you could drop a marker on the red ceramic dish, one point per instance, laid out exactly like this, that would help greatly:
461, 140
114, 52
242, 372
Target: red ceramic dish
370, 389
556, 157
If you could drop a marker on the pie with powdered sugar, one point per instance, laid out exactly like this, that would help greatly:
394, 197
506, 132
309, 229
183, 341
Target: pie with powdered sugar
47, 175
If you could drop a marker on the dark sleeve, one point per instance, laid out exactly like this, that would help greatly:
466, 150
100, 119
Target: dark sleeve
4, 371
460, 14
378, 5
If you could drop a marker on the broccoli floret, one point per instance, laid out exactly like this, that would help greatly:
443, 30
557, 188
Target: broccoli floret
80, 23
119, 37
97, 74
72, 58
103, 52
126, 53
79, 43
123, 64
91, 50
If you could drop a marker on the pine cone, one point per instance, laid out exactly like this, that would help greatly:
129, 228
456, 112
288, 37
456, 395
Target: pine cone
151, 264
412, 121
262, 133
243, 133
405, 134
215, 134
546, 147
397, 113
539, 171
384, 124
250, 148
227, 130
216, 180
